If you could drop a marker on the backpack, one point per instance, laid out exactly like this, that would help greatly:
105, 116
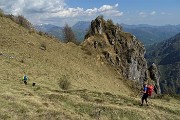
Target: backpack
25, 78
150, 89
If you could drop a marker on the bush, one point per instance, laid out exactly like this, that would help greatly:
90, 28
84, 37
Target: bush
24, 22
31, 31
21, 20
1, 13
64, 83
40, 33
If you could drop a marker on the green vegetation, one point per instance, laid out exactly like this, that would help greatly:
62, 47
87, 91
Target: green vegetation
21, 20
1, 13
64, 83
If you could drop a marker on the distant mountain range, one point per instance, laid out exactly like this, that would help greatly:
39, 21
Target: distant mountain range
166, 55
79, 29
147, 34
82, 25
51, 29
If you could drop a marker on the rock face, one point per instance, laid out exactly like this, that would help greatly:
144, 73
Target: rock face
122, 50
166, 55
154, 75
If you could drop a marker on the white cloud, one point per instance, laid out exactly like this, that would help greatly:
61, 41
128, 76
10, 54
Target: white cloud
105, 8
42, 10
31, 6
110, 10
165, 13
143, 14
91, 11
153, 13
146, 14
73, 12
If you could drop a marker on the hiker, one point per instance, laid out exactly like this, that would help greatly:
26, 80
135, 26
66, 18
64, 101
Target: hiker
145, 94
95, 44
25, 79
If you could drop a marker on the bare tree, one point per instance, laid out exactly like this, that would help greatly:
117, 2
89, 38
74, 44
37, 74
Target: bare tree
68, 34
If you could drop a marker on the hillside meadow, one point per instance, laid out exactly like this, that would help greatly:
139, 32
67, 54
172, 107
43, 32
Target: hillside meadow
91, 89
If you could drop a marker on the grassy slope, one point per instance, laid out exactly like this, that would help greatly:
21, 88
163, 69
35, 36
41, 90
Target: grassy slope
96, 91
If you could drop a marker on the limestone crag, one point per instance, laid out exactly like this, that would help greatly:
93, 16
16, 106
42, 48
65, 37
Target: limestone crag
154, 75
122, 50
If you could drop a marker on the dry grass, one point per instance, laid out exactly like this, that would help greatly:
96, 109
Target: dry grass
96, 91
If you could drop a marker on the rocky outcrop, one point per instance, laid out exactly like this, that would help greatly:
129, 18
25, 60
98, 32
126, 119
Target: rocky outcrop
166, 55
154, 75
121, 50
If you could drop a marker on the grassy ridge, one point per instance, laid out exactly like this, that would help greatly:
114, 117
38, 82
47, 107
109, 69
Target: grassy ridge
96, 90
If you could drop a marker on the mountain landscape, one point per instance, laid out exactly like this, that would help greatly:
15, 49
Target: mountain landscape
166, 55
99, 79
147, 34
79, 29
51, 29
155, 35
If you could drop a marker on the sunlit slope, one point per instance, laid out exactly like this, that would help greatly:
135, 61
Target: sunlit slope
45, 60
96, 90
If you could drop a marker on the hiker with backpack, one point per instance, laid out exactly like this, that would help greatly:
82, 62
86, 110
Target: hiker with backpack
145, 94
25, 79
147, 91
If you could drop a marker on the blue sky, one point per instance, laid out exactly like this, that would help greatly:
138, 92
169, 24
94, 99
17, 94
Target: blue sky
59, 12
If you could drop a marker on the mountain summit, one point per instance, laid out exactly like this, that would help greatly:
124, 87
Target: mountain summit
118, 48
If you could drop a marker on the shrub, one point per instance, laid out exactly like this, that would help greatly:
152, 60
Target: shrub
64, 83
24, 22
1, 13
21, 20
40, 33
